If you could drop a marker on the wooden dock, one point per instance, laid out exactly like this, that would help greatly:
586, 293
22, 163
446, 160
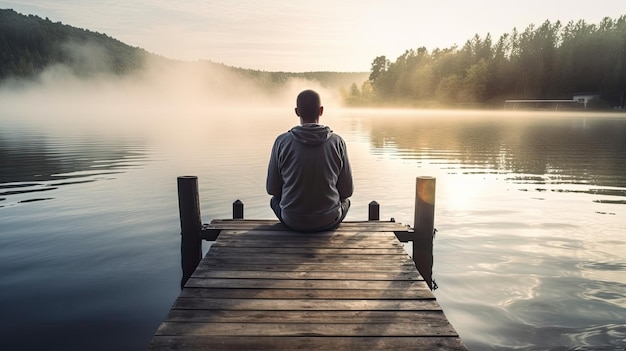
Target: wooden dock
264, 287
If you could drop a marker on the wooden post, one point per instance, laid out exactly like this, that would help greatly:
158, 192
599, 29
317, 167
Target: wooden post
373, 211
424, 227
190, 225
238, 209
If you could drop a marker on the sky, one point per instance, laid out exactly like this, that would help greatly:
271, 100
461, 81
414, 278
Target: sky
303, 36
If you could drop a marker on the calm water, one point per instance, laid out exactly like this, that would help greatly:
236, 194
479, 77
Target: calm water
531, 216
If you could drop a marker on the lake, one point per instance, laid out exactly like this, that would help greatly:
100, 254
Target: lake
530, 251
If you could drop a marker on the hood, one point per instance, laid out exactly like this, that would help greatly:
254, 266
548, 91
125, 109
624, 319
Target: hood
311, 134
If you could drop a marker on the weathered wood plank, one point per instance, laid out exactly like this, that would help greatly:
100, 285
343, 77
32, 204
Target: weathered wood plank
304, 244
260, 264
256, 343
432, 319
274, 225
292, 236
304, 304
312, 237
355, 232
194, 282
308, 258
318, 240
301, 329
211, 230
290, 275
307, 250
341, 294
313, 240
278, 228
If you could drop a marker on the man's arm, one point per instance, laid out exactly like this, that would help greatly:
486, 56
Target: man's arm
344, 181
274, 183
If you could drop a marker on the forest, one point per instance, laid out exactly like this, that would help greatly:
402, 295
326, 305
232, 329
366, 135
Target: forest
29, 44
549, 61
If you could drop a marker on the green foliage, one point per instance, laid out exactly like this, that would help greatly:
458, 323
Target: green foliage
358, 97
550, 61
29, 44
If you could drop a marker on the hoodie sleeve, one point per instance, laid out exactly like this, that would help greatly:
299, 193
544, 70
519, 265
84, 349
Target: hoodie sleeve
274, 183
344, 181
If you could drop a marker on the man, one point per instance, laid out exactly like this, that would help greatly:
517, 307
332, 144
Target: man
309, 174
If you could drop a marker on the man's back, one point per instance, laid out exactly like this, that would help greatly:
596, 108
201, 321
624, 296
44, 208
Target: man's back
310, 173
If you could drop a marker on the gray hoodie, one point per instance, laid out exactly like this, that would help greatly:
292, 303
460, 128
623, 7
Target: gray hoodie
310, 173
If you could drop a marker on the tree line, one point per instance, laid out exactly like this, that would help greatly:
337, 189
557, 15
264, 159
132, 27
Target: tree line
550, 61
29, 44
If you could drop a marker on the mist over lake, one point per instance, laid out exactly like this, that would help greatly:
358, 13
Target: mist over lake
530, 211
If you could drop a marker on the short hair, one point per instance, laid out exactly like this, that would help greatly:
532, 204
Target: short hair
308, 104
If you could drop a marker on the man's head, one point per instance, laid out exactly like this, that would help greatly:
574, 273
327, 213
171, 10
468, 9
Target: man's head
309, 106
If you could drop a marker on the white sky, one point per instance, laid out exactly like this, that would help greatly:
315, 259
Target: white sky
321, 35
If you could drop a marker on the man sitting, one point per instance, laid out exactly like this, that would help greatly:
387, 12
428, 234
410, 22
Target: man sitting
309, 173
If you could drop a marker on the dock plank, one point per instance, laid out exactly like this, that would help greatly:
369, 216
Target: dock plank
305, 329
260, 264
264, 287
317, 343
430, 318
307, 274
302, 284
350, 294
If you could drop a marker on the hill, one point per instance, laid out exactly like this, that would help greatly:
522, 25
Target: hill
30, 44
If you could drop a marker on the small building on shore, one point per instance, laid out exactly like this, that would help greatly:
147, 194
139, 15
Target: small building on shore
584, 98
578, 101
544, 104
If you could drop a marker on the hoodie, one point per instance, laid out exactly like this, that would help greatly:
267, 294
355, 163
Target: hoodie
310, 174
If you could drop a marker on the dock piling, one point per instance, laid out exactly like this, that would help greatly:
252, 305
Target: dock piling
424, 227
238, 209
373, 213
190, 225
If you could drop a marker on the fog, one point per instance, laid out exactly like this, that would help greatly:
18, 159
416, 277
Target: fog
161, 96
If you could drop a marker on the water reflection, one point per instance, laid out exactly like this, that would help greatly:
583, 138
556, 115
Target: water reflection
529, 253
35, 163
543, 149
